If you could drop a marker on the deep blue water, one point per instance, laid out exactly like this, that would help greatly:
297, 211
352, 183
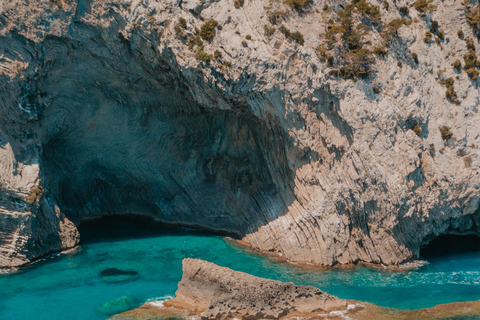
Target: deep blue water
68, 286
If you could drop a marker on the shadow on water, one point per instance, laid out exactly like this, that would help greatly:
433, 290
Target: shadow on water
448, 245
123, 227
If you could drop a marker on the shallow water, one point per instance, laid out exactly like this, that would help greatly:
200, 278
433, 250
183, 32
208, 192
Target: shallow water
68, 286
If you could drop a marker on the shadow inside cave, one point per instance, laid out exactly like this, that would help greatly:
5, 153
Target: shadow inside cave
125, 134
123, 129
450, 245
123, 227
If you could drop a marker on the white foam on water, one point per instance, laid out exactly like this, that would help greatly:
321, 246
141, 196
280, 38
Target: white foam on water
9, 270
159, 301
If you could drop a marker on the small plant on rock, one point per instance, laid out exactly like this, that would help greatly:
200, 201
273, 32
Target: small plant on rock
445, 133
423, 6
296, 3
416, 128
207, 31
268, 31
404, 11
203, 56
457, 65
238, 3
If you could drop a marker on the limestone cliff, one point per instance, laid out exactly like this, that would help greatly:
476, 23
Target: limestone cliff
330, 132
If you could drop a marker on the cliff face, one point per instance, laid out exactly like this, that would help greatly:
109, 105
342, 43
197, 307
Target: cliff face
120, 107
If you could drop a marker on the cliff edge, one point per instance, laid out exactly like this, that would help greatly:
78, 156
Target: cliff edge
327, 132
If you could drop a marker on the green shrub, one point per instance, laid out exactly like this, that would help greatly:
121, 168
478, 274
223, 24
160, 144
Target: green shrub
441, 35
297, 37
183, 23
470, 44
244, 43
381, 50
268, 31
472, 73
376, 89
445, 133
207, 31
423, 6
390, 28
203, 56
274, 17
195, 41
217, 54
415, 57
248, 37
470, 59
284, 31
238, 3
457, 65
416, 128
428, 37
460, 34
357, 64
363, 6
473, 17
59, 3
431, 150
467, 161
450, 93
404, 11
296, 3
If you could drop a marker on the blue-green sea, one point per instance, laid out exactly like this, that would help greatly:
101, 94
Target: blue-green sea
69, 286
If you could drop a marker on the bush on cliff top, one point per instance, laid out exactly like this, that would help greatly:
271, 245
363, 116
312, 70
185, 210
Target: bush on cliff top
207, 31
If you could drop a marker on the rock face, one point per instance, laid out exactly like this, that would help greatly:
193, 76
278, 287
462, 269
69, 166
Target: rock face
105, 110
214, 292
219, 292
208, 291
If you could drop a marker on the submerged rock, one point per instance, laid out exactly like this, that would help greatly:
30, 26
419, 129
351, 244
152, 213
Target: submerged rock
118, 305
114, 275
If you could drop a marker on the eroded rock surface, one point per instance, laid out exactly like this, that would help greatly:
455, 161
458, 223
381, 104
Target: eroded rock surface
218, 292
208, 291
213, 292
105, 110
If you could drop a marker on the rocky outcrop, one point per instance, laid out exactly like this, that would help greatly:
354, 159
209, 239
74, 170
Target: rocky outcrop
111, 107
217, 292
213, 292
208, 291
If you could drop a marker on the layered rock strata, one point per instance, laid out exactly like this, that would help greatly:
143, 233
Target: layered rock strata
120, 107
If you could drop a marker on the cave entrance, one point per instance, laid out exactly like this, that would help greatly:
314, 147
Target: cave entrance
122, 227
450, 244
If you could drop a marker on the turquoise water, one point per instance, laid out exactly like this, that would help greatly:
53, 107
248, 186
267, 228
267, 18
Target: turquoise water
68, 286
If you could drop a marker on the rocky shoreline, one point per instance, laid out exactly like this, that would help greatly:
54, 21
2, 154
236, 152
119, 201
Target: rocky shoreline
208, 291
